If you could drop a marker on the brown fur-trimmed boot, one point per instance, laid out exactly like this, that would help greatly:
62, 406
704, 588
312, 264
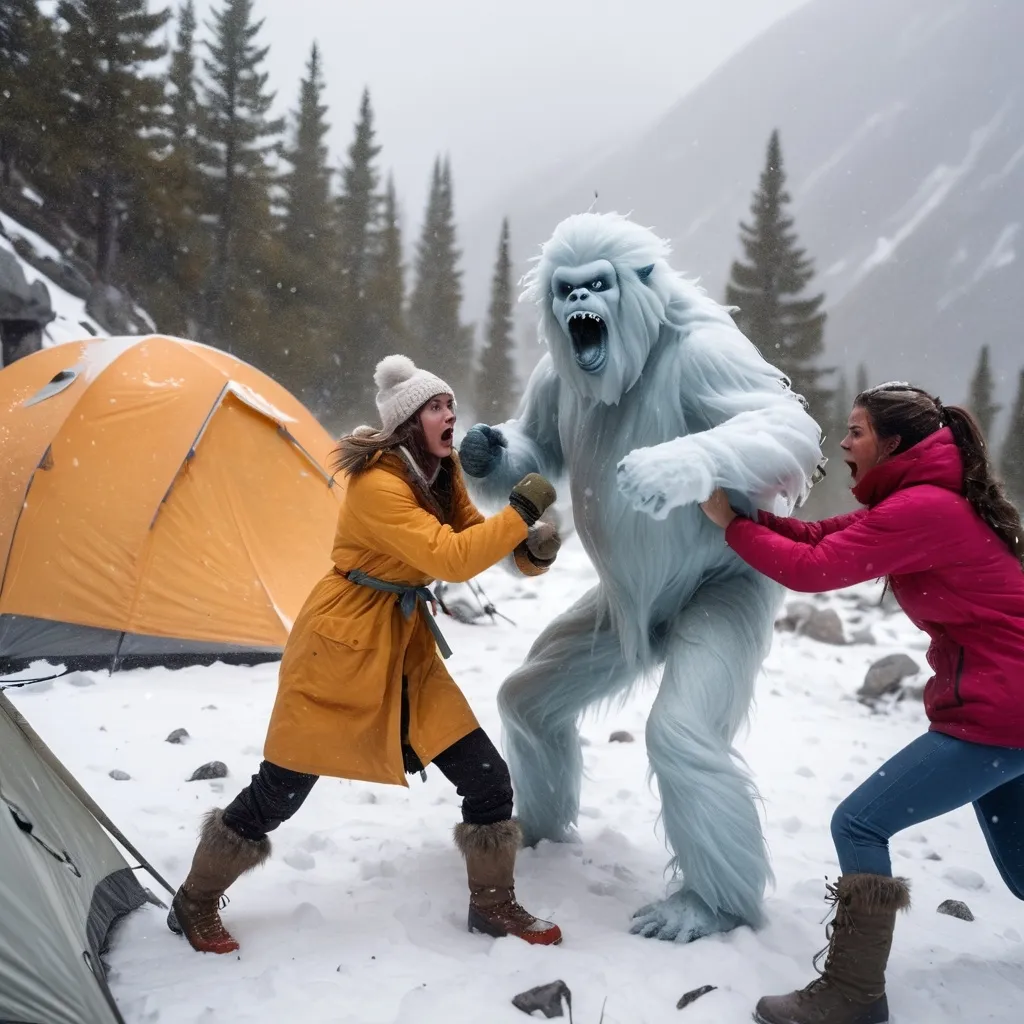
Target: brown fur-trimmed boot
490, 852
221, 857
851, 988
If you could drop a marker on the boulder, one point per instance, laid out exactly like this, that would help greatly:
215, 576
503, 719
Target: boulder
886, 676
806, 619
25, 310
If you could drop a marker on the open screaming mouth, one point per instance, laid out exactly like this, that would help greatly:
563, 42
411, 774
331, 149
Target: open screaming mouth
589, 335
447, 434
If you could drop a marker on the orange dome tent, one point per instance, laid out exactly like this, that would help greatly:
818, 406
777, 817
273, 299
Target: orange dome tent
160, 501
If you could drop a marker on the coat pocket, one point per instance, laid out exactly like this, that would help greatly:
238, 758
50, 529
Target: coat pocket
342, 668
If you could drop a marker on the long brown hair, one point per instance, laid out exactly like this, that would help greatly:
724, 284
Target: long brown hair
355, 452
898, 410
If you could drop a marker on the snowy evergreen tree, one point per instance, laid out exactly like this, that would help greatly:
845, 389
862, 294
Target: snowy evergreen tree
303, 304
770, 289
386, 292
358, 210
114, 98
980, 400
238, 140
442, 343
496, 388
309, 220
166, 246
1011, 463
184, 102
863, 382
28, 76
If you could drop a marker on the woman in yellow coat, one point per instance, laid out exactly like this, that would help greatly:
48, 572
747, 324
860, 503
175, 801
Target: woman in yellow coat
363, 692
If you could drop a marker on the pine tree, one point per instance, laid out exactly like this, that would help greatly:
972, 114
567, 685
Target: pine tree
184, 102
303, 304
358, 207
1011, 463
28, 68
308, 219
980, 399
862, 379
237, 141
386, 291
442, 343
496, 387
165, 243
769, 289
114, 106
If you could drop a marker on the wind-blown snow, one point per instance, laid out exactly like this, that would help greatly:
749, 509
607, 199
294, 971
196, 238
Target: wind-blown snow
1001, 255
929, 198
359, 917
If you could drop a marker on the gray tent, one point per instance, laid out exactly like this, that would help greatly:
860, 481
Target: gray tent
63, 886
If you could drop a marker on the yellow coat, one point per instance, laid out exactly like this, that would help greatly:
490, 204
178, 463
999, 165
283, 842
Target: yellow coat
339, 700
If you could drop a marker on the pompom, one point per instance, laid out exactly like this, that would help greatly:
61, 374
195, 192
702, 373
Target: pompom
392, 371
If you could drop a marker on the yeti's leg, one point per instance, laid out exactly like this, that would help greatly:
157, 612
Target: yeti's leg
709, 810
574, 663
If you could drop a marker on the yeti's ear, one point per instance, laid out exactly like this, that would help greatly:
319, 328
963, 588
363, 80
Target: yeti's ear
645, 272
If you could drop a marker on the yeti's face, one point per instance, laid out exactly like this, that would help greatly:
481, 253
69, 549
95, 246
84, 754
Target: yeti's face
585, 303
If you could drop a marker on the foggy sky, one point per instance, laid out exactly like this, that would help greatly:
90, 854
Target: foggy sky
504, 88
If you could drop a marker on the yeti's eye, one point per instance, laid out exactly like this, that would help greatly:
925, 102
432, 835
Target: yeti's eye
564, 288
596, 286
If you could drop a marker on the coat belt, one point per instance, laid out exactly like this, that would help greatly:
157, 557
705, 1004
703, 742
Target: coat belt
408, 598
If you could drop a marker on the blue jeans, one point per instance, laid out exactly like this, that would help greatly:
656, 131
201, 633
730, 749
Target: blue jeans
935, 774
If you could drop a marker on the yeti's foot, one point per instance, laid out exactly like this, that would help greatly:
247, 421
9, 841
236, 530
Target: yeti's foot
534, 833
681, 917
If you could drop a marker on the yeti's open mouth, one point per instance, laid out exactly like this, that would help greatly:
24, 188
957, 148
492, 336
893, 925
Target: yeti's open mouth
589, 341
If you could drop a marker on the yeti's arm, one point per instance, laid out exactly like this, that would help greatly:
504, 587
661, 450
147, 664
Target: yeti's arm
533, 444
747, 433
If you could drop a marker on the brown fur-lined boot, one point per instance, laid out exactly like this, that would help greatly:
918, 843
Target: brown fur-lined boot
851, 989
221, 857
490, 852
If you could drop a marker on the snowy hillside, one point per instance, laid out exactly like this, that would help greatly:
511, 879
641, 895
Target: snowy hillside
359, 917
902, 124
72, 322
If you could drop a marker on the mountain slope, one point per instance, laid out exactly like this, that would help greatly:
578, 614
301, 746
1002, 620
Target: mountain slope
902, 124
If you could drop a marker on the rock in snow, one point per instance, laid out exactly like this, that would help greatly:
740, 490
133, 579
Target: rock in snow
885, 676
210, 770
178, 736
955, 908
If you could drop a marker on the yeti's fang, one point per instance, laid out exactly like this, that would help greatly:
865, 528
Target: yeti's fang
589, 336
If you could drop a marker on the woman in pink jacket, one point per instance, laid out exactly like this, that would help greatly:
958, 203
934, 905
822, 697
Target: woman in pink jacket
938, 526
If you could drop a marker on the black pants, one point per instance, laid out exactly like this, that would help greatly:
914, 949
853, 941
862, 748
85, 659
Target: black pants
473, 765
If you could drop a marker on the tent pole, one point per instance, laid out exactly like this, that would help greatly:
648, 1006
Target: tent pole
37, 744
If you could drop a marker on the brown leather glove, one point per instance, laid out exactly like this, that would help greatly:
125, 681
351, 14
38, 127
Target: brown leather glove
531, 497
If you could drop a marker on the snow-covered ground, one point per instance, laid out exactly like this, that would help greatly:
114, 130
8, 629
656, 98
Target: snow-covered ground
359, 917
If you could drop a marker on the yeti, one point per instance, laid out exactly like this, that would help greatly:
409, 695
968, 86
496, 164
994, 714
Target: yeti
647, 399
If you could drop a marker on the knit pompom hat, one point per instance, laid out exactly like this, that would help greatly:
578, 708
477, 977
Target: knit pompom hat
402, 388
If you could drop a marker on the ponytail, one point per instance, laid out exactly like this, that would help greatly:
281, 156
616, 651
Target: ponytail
897, 409
981, 487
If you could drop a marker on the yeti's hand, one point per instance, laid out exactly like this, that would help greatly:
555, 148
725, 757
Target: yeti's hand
655, 482
481, 448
